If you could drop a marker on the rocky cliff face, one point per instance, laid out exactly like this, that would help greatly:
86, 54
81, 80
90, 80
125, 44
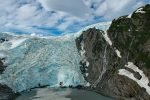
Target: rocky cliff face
116, 63
6, 93
2, 67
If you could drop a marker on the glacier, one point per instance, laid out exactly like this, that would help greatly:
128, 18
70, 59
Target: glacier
34, 61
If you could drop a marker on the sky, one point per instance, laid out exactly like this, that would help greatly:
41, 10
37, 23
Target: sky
56, 17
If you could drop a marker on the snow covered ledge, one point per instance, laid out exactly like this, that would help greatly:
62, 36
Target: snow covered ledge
105, 35
108, 40
143, 82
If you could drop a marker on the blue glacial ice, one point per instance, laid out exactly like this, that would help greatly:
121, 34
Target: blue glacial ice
40, 61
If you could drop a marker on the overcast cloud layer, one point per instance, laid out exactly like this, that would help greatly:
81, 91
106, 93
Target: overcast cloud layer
60, 16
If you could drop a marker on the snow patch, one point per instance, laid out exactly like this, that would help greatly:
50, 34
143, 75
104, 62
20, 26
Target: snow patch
143, 82
86, 74
107, 39
88, 84
82, 51
129, 16
129, 30
134, 67
118, 53
140, 10
87, 63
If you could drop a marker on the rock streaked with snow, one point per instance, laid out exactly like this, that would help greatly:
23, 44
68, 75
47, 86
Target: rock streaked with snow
83, 57
87, 63
118, 53
140, 10
107, 39
143, 82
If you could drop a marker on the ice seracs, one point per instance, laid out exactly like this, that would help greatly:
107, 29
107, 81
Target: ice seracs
38, 61
143, 82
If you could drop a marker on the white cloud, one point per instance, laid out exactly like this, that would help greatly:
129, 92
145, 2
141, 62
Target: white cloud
64, 15
93, 3
68, 21
111, 9
74, 7
65, 25
26, 11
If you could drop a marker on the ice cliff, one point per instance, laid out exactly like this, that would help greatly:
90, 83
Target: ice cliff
34, 61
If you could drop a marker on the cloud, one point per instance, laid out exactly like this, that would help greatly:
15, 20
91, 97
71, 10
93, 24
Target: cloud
74, 7
114, 8
26, 11
60, 16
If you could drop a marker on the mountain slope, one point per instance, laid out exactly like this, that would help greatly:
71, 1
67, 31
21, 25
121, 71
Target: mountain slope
119, 60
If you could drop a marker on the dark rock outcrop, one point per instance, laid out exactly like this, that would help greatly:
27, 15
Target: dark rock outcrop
131, 36
6, 93
2, 66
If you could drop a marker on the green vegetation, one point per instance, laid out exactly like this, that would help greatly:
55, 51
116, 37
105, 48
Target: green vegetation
131, 35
